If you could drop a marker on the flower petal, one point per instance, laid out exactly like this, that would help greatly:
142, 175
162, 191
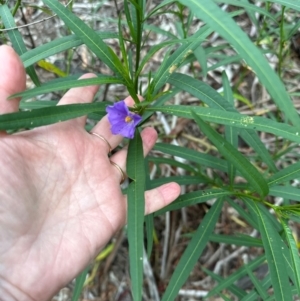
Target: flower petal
117, 116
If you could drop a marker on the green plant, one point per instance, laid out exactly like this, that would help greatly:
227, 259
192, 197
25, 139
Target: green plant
266, 173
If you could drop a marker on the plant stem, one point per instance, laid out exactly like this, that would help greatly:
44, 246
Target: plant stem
281, 42
17, 5
138, 45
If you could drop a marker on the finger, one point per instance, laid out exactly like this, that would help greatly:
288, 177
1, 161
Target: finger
161, 196
103, 127
80, 95
12, 80
149, 137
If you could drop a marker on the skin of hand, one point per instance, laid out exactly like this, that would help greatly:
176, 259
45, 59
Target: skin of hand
60, 198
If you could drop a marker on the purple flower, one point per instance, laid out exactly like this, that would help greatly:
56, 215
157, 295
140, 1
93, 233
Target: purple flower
123, 122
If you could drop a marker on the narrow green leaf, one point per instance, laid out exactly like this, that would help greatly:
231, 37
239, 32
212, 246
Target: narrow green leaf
221, 22
149, 219
253, 296
155, 48
233, 288
274, 254
294, 253
129, 21
192, 198
238, 240
248, 6
160, 101
243, 213
252, 210
79, 282
214, 100
289, 173
158, 7
286, 192
122, 44
89, 37
172, 162
236, 275
234, 119
67, 84
16, 39
38, 104
49, 115
248, 171
252, 15
294, 4
58, 45
176, 58
193, 251
181, 180
161, 31
224, 62
257, 284
231, 133
192, 155
136, 208
149, 222
253, 140
202, 59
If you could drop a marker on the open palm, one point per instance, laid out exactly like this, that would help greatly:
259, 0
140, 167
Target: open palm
60, 197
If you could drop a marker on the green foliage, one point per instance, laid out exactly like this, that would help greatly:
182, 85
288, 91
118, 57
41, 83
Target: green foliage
247, 182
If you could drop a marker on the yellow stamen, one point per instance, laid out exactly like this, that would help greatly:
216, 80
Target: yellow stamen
128, 119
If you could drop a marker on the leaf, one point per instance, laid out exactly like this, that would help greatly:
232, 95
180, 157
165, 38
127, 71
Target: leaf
253, 296
214, 100
231, 133
129, 21
154, 49
289, 173
48, 115
274, 255
79, 282
66, 84
294, 253
136, 208
192, 198
294, 4
236, 275
222, 23
175, 59
257, 284
250, 7
252, 210
238, 240
149, 222
51, 68
58, 45
181, 180
149, 219
16, 39
233, 288
286, 192
234, 119
248, 171
193, 251
192, 155
90, 38
31, 105
243, 213
158, 7
172, 162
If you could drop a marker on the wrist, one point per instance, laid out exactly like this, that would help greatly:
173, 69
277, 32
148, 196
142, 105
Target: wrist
9, 292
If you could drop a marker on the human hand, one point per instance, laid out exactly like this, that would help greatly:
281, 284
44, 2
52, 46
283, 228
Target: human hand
60, 198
